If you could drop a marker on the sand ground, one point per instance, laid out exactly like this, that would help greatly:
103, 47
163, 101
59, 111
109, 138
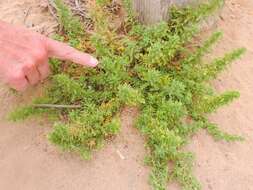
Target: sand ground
29, 162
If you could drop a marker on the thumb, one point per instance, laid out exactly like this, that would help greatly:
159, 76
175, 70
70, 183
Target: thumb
64, 52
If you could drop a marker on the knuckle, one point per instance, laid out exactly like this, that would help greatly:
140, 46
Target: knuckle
39, 56
29, 66
16, 77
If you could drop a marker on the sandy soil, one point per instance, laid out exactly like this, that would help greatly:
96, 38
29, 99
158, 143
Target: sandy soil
29, 162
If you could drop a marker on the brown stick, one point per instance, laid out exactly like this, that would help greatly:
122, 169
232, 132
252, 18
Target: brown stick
56, 106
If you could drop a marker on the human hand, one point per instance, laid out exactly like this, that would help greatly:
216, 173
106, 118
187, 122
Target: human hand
24, 56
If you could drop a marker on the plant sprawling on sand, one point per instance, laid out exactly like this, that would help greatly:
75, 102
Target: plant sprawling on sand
150, 67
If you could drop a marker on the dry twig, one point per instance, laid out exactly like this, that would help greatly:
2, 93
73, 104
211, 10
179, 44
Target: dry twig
56, 106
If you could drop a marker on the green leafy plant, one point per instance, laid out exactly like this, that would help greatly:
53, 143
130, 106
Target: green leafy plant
151, 67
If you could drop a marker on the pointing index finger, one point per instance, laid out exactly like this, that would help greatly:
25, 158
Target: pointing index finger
64, 52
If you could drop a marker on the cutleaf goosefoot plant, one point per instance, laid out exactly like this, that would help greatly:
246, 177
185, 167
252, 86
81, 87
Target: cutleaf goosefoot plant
150, 67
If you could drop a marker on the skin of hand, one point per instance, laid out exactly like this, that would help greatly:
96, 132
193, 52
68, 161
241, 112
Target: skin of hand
24, 56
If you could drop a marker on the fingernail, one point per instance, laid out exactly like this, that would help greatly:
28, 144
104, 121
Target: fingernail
93, 61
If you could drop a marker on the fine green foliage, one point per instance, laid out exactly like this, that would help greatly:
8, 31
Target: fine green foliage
130, 96
71, 25
150, 67
24, 112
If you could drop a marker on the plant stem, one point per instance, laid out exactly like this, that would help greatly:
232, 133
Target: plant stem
56, 106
